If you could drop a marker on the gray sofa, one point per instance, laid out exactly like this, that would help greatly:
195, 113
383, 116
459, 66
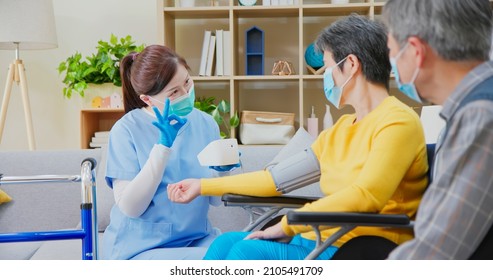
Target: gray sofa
40, 207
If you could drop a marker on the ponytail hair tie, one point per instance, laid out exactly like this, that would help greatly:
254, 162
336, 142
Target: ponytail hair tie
134, 56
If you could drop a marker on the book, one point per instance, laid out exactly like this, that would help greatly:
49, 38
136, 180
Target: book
97, 145
210, 56
205, 52
102, 134
227, 53
100, 140
219, 53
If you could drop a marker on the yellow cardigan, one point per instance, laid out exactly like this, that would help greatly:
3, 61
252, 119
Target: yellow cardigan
377, 164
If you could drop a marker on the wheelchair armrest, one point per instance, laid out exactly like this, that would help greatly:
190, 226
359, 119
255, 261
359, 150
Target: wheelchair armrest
271, 201
345, 218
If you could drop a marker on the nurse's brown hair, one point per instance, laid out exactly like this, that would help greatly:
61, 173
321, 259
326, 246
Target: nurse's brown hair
147, 72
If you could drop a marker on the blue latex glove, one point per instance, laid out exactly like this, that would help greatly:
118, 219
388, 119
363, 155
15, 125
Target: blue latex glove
167, 130
225, 168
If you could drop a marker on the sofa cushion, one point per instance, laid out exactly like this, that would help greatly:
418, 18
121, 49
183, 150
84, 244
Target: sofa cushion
62, 250
19, 250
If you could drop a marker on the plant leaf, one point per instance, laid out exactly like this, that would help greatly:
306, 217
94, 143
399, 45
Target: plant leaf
100, 67
223, 106
234, 121
217, 116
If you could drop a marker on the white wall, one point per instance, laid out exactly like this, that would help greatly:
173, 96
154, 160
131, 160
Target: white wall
80, 25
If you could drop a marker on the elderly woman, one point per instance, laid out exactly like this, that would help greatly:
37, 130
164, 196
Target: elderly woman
371, 161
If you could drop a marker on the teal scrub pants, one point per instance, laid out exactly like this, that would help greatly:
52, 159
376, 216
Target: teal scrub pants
231, 246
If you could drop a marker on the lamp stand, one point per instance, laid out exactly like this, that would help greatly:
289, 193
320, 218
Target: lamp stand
17, 73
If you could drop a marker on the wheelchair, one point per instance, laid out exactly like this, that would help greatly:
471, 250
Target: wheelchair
346, 221
88, 213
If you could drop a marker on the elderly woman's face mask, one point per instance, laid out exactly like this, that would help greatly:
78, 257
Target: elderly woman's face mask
332, 92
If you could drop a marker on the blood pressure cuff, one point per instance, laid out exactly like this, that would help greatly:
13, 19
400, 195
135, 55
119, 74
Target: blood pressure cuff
297, 171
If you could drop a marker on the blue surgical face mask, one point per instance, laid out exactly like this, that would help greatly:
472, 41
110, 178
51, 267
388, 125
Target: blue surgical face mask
182, 105
332, 92
408, 89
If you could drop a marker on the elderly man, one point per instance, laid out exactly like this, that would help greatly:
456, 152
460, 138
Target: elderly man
439, 51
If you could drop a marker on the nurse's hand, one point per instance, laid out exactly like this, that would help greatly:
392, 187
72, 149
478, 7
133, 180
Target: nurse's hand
225, 168
184, 191
168, 125
274, 232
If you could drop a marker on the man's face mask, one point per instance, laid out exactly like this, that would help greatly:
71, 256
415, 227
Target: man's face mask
182, 105
408, 89
333, 93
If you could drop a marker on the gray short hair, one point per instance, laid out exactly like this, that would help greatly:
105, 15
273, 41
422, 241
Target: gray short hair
458, 30
362, 37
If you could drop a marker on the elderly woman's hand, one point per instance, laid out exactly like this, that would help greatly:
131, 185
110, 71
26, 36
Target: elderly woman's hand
274, 232
184, 191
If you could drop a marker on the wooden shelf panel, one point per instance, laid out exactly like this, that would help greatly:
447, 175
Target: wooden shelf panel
197, 12
266, 11
336, 10
245, 78
288, 29
269, 11
99, 110
267, 78
211, 78
92, 120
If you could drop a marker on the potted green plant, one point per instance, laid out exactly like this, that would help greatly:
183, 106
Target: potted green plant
220, 114
101, 67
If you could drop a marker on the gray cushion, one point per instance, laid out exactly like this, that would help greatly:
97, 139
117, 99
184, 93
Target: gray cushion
61, 250
18, 250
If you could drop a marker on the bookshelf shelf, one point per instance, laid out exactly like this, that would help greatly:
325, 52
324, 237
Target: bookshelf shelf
93, 120
288, 31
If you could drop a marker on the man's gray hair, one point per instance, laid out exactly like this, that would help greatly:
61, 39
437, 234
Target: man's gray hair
458, 30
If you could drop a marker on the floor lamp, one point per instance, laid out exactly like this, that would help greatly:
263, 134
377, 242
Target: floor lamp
25, 25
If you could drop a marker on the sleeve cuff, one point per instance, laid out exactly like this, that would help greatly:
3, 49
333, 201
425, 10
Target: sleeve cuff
286, 228
259, 183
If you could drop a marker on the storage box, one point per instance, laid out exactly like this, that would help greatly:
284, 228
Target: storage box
266, 127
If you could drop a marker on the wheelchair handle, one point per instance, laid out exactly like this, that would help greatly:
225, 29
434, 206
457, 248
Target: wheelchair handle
87, 179
90, 161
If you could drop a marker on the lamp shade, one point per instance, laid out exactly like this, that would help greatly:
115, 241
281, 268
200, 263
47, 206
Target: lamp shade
30, 23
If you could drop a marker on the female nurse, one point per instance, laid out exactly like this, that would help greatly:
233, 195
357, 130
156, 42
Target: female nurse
156, 142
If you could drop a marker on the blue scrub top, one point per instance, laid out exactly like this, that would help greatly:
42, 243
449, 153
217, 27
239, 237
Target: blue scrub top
164, 224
